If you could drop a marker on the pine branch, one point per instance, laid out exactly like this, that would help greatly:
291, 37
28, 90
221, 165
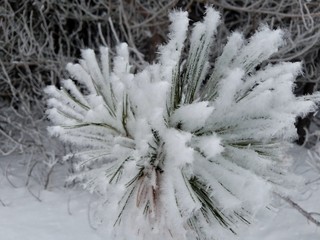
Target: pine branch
180, 147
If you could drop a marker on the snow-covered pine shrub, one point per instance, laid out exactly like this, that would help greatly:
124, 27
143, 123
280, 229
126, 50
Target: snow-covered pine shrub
184, 149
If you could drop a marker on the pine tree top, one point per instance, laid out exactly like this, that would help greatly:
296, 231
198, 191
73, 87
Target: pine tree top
189, 147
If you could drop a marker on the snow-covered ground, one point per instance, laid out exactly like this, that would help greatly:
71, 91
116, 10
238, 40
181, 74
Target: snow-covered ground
62, 214
33, 213
285, 222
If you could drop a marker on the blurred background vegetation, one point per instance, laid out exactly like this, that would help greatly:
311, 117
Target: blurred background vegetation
38, 38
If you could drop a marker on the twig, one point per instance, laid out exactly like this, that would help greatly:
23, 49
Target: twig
68, 206
115, 35
313, 181
46, 184
306, 214
30, 172
260, 11
7, 177
3, 204
35, 196
89, 218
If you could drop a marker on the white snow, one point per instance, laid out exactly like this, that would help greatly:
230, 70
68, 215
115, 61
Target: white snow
287, 223
192, 116
63, 213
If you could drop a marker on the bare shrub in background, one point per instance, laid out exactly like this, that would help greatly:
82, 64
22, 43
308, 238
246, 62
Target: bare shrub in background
38, 37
